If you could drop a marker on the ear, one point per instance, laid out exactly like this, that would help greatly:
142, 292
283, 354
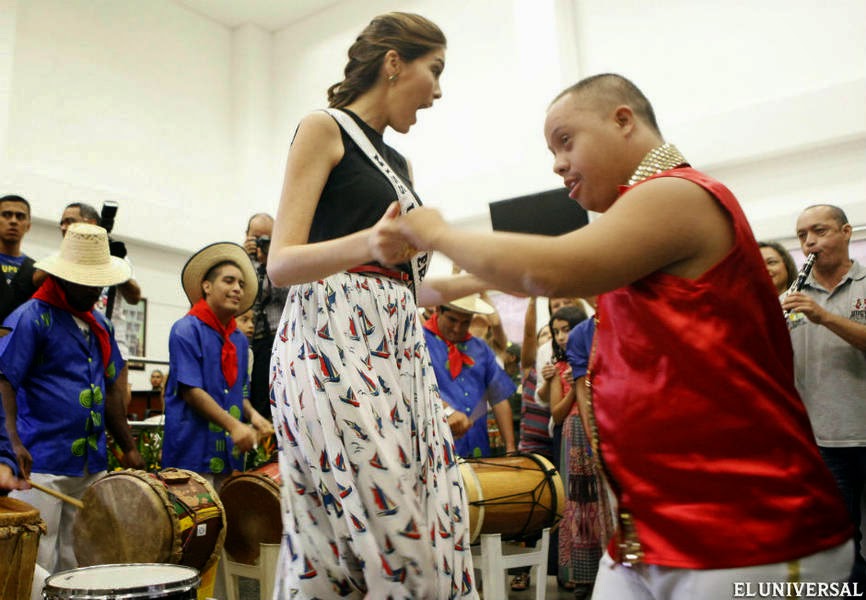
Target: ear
847, 230
206, 288
625, 119
392, 63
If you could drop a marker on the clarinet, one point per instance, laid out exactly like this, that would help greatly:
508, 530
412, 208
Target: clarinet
801, 278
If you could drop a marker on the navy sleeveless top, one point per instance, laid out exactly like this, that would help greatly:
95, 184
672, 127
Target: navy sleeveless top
357, 193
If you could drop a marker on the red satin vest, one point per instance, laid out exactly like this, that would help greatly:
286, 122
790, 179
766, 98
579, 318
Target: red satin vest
701, 430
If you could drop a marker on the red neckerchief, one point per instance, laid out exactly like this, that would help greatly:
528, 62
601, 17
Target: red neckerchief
456, 358
229, 357
51, 293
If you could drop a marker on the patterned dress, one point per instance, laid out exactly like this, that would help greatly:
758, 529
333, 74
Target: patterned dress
373, 501
582, 527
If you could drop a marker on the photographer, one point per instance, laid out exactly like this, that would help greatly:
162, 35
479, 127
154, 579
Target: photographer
130, 291
267, 310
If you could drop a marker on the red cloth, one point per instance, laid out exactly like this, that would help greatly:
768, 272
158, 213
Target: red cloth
707, 442
229, 356
51, 293
456, 358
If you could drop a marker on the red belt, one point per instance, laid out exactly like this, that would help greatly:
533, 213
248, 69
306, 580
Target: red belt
377, 270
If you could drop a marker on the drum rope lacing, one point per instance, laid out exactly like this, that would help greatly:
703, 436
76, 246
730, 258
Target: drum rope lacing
193, 517
536, 492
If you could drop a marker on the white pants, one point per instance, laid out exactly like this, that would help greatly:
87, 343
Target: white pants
653, 582
56, 552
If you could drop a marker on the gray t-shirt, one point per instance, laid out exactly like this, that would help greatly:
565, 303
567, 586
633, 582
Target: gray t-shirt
831, 373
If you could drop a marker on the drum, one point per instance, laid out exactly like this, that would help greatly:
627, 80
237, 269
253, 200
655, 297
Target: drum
253, 516
20, 528
173, 516
123, 582
516, 495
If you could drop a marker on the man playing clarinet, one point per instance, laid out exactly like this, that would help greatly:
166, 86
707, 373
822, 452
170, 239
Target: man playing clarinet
827, 320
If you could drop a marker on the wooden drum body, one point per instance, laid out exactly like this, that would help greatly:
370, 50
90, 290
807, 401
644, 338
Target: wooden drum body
20, 528
515, 496
253, 512
126, 582
173, 516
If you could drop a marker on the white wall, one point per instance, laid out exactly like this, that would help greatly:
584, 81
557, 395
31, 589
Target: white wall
768, 96
186, 122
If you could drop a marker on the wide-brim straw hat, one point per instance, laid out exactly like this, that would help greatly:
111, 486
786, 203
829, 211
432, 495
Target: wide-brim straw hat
84, 258
208, 257
471, 304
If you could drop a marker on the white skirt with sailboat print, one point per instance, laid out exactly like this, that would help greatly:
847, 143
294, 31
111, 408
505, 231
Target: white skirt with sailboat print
373, 501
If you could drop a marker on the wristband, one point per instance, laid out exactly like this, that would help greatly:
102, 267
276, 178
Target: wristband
449, 411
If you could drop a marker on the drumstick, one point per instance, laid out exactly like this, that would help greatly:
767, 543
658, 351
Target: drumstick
56, 494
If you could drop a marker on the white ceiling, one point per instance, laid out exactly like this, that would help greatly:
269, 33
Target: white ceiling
270, 15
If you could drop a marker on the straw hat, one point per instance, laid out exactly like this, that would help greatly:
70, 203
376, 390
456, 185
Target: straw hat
202, 261
84, 258
471, 304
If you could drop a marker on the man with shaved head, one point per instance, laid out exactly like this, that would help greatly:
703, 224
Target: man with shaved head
827, 320
694, 417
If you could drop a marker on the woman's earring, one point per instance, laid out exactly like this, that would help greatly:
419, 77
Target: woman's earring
392, 78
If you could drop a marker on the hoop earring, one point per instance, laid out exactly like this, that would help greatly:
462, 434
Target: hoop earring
392, 78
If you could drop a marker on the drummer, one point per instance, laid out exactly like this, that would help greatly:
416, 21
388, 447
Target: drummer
60, 371
9, 473
208, 383
469, 377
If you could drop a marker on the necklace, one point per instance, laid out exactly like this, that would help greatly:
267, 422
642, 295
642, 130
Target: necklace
662, 158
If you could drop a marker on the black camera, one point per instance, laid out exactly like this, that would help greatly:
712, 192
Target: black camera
263, 243
106, 218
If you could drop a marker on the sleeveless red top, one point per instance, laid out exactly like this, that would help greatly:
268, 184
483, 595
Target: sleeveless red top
701, 430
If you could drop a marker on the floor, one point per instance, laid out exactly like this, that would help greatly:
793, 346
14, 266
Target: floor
249, 590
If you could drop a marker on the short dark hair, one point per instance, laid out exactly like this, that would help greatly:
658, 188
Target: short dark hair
836, 213
787, 260
16, 198
214, 271
88, 213
611, 90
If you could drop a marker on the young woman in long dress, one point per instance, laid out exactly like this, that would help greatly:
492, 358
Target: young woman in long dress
372, 496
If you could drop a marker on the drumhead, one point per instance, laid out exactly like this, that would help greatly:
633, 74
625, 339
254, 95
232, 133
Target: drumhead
253, 513
125, 518
14, 512
121, 582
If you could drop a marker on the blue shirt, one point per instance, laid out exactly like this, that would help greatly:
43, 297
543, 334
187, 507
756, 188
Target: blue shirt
476, 386
191, 441
579, 347
7, 455
60, 384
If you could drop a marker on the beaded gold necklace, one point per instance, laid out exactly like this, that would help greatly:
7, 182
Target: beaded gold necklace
662, 158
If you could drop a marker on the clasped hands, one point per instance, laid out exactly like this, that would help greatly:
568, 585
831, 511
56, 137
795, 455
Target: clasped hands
396, 238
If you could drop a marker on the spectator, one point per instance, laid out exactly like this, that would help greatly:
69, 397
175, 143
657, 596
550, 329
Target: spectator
267, 310
780, 265
18, 284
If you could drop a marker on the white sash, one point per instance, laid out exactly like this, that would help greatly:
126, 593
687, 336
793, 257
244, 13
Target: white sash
408, 200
